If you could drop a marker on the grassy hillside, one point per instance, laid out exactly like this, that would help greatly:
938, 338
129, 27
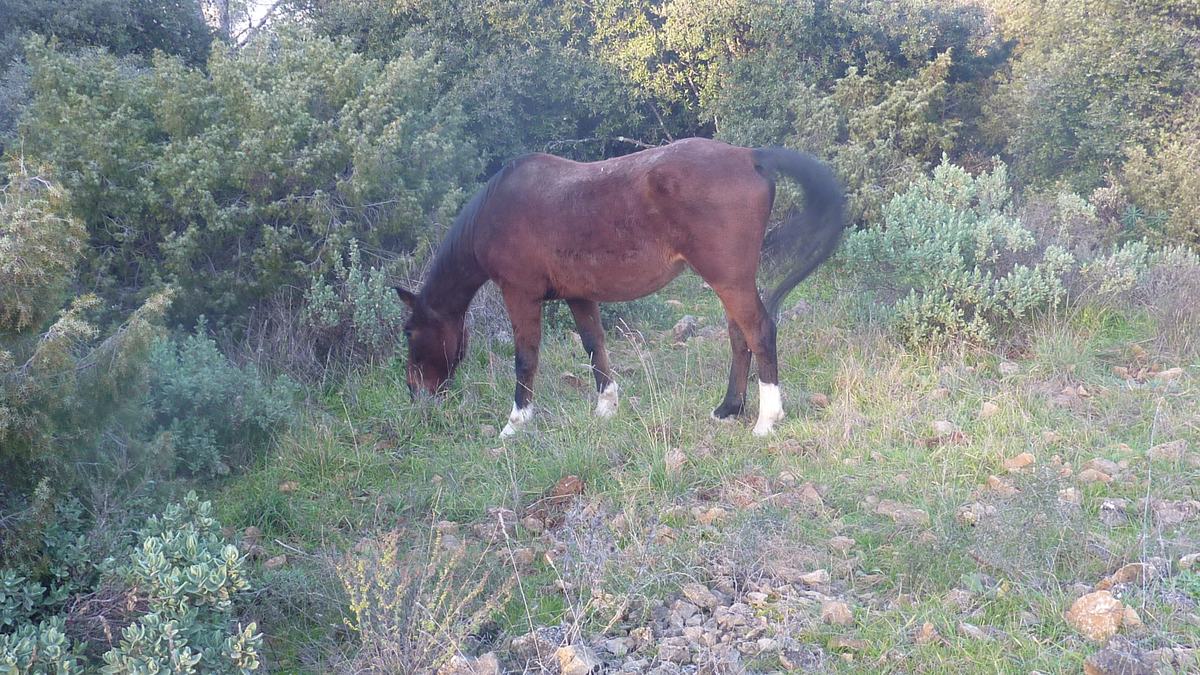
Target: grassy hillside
892, 486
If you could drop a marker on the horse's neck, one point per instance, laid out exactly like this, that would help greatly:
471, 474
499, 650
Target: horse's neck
452, 285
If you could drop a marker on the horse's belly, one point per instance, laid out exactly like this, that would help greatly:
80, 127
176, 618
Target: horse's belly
616, 280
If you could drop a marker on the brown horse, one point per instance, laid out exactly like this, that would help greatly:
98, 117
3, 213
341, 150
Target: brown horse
547, 228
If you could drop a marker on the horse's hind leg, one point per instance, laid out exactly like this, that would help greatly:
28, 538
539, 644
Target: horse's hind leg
591, 333
745, 308
526, 318
739, 369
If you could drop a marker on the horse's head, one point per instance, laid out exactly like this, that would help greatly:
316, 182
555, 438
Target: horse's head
435, 346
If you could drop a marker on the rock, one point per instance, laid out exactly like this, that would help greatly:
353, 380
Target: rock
1119, 657
538, 645
943, 427
1102, 465
841, 544
960, 598
837, 613
1171, 451
767, 645
487, 664
523, 557
674, 461
988, 409
700, 595
275, 562
710, 516
684, 609
1169, 513
927, 634
1097, 615
617, 646
1133, 572
1071, 496
1094, 476
902, 514
1001, 486
577, 659
1169, 374
971, 514
1112, 511
685, 328
1018, 462
969, 630
674, 650
815, 578
1131, 619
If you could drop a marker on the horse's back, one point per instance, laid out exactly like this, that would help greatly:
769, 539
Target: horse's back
623, 227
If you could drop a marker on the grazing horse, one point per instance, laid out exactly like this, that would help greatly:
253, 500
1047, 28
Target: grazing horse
547, 228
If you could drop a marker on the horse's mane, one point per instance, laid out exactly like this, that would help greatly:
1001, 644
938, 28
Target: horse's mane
458, 243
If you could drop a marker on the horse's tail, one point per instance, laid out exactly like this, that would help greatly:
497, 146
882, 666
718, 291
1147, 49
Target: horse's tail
806, 239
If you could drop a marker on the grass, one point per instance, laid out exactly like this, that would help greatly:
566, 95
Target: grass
371, 461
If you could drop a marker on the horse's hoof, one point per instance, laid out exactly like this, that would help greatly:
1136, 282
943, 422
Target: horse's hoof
516, 419
607, 405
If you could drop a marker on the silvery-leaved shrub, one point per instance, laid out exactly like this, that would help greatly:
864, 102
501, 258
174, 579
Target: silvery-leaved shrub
957, 260
175, 596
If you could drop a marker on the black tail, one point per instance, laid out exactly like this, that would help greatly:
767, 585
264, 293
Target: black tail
805, 239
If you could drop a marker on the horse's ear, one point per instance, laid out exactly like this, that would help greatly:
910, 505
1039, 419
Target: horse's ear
408, 297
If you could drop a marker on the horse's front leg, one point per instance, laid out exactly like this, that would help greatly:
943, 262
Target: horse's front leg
526, 317
591, 333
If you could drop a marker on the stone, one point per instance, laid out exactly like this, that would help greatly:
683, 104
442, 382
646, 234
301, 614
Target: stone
927, 634
970, 630
1102, 465
674, 650
1119, 657
837, 613
841, 544
1097, 615
674, 461
685, 328
1018, 462
1094, 476
487, 664
1131, 573
537, 645
700, 595
1172, 451
902, 514
815, 578
617, 646
577, 659
1112, 511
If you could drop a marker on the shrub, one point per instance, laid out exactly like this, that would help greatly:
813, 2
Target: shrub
415, 607
211, 414
950, 252
176, 593
235, 181
355, 312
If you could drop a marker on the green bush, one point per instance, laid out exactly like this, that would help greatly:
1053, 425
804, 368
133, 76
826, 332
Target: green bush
211, 414
176, 589
954, 257
355, 311
237, 181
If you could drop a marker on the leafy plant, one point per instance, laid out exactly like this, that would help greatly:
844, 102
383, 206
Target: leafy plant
950, 252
